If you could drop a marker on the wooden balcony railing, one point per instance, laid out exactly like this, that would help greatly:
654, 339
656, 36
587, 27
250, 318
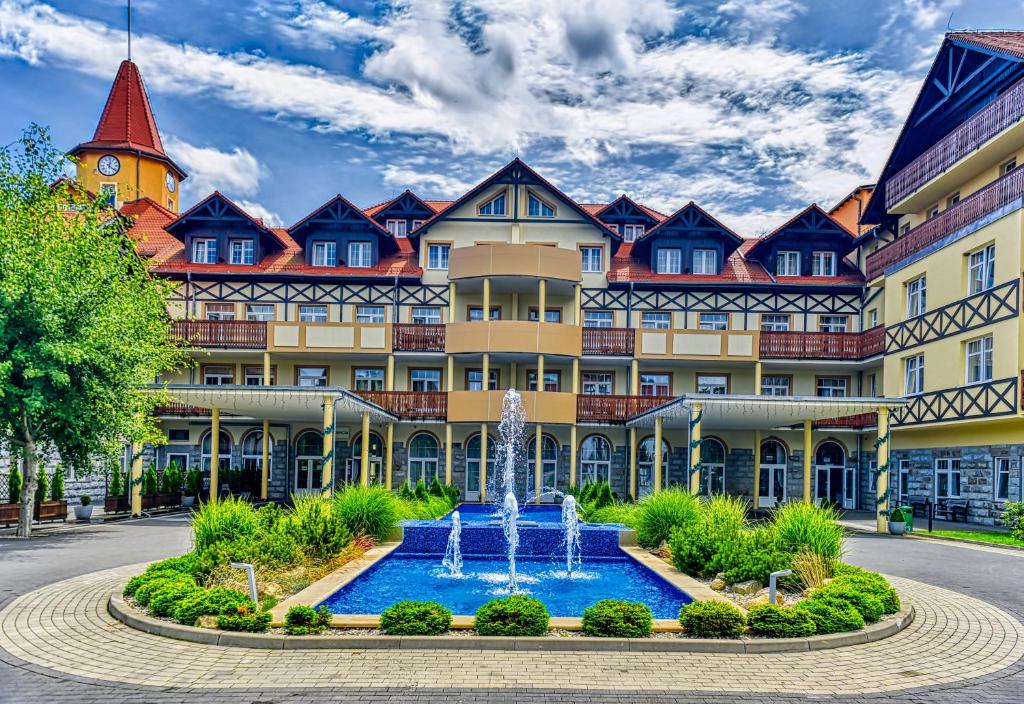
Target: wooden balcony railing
411, 405
615, 409
238, 334
861, 420
412, 337
1004, 112
180, 409
616, 342
972, 208
823, 345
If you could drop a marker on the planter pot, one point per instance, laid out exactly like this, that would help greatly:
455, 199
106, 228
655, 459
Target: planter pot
188, 501
897, 528
9, 513
52, 510
116, 504
168, 499
83, 513
149, 502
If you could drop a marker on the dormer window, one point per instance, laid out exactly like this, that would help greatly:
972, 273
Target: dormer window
669, 261
536, 208
397, 228
705, 262
204, 251
823, 264
495, 206
325, 254
360, 255
243, 251
417, 223
632, 232
787, 264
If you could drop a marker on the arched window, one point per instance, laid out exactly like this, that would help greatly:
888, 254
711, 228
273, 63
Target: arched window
772, 484
645, 465
595, 460
309, 462
712, 459
423, 453
376, 458
829, 470
224, 452
473, 463
549, 462
252, 452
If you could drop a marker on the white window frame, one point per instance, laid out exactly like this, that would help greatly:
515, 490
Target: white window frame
532, 198
823, 383
368, 378
370, 314
713, 321
655, 320
833, 323
397, 227
244, 248
632, 232
325, 253
108, 193
227, 314
787, 263
598, 318
223, 373
950, 467
360, 255
669, 260
252, 375
1008, 166
1000, 468
982, 352
490, 207
981, 269
203, 250
302, 374
312, 313
437, 255
419, 315
823, 263
592, 259
597, 383
593, 466
425, 380
777, 322
260, 311
717, 384
653, 386
913, 375
776, 385
705, 262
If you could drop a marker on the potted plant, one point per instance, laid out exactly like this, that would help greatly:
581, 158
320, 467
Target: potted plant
149, 488
193, 485
55, 507
117, 493
170, 486
9, 511
83, 512
897, 522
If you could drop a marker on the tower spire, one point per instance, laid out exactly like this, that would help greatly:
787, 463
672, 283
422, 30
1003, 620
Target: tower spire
129, 30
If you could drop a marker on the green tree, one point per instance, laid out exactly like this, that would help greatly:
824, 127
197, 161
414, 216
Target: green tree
83, 326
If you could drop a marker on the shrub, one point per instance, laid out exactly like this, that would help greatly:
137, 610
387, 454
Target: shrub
149, 481
193, 481
870, 583
776, 621
155, 583
896, 516
1013, 518
367, 510
831, 615
170, 482
164, 601
801, 525
406, 492
415, 618
615, 513
208, 602
116, 487
869, 606
133, 585
813, 569
14, 485
315, 524
57, 485
183, 563
244, 618
420, 492
657, 514
712, 619
304, 620
223, 521
754, 556
610, 618
515, 615
42, 487
85, 499
701, 546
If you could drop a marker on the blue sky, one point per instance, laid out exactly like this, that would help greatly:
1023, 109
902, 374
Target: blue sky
751, 108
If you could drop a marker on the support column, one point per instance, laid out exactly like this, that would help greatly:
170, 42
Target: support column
577, 305
757, 378
266, 369
576, 375
389, 374
214, 453
882, 465
572, 455
483, 462
448, 453
451, 302
634, 377
695, 438
513, 374
657, 455
135, 483
389, 455
487, 299
542, 299
364, 451
327, 479
485, 370
632, 463
540, 372
538, 464
265, 478
757, 469
451, 373
807, 462
514, 313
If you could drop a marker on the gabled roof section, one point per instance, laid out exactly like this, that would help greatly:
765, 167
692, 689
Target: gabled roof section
406, 205
339, 213
127, 121
218, 208
625, 209
148, 220
517, 172
691, 219
971, 69
809, 223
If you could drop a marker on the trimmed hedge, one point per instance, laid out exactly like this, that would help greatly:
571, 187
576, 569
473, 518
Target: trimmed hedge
164, 601
712, 619
161, 581
611, 618
415, 618
868, 605
244, 618
776, 621
305, 620
831, 615
209, 602
515, 615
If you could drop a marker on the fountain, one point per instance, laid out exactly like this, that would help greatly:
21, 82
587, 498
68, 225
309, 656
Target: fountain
453, 553
509, 517
506, 454
571, 525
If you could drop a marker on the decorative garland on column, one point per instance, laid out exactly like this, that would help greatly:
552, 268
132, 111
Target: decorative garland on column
881, 471
694, 444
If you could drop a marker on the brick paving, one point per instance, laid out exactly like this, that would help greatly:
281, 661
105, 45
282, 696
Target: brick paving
59, 640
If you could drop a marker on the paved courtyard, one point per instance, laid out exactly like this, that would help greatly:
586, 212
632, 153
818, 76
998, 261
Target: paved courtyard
57, 641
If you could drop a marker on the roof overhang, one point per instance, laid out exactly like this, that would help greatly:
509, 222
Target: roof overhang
735, 412
278, 403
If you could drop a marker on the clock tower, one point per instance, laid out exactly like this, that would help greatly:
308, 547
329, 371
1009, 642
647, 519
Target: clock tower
125, 160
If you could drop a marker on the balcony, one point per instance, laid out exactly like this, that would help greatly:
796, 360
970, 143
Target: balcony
328, 337
962, 142
555, 407
513, 336
180, 409
412, 337
861, 420
738, 345
615, 409
411, 405
846, 346
554, 264
234, 334
609, 342
983, 202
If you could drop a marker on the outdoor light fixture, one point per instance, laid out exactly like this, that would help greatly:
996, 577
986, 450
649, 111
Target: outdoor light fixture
771, 583
252, 579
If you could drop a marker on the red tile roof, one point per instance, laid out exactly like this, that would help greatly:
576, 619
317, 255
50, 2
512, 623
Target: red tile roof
148, 220
1008, 42
737, 269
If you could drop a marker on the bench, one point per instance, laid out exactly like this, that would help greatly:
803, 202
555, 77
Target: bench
920, 504
951, 508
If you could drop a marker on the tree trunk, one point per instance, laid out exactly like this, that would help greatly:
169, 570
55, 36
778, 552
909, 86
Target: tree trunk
28, 491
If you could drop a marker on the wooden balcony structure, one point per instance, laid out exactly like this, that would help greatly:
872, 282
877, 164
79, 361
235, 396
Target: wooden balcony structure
614, 409
852, 346
609, 342
417, 337
411, 405
232, 334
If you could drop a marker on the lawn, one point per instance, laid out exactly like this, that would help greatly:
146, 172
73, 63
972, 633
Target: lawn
979, 536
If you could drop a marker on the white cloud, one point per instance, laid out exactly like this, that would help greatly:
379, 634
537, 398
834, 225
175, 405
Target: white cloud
257, 210
316, 24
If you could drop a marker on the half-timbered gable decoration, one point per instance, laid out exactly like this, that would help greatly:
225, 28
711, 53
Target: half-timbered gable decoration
809, 248
628, 218
402, 214
338, 234
216, 231
688, 242
971, 70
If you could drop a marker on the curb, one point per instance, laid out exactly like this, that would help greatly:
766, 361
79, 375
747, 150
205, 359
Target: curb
124, 613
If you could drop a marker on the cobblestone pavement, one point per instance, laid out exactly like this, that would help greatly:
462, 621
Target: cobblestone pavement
58, 642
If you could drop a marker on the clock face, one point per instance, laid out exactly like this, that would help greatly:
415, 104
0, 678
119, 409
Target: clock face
171, 182
109, 165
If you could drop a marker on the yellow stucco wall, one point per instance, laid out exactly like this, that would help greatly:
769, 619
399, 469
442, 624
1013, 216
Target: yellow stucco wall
138, 177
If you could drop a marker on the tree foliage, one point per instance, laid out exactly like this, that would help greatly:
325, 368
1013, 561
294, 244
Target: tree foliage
83, 325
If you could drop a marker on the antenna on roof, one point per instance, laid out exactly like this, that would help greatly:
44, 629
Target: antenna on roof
949, 22
129, 30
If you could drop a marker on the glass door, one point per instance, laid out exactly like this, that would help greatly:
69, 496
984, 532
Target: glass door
771, 490
850, 488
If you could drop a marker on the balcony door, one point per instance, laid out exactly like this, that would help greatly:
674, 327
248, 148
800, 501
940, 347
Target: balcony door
772, 486
830, 474
309, 463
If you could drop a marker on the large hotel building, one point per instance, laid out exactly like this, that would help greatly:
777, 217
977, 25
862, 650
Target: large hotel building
375, 344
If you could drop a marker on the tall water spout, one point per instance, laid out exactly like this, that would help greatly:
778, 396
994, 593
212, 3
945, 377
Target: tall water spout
453, 553
571, 524
513, 420
509, 517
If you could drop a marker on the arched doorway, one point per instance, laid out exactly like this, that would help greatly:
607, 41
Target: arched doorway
223, 461
645, 465
712, 459
473, 465
251, 477
549, 465
423, 458
830, 473
771, 489
353, 471
309, 462
595, 460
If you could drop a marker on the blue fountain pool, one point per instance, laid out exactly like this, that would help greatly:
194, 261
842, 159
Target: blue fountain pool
486, 513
